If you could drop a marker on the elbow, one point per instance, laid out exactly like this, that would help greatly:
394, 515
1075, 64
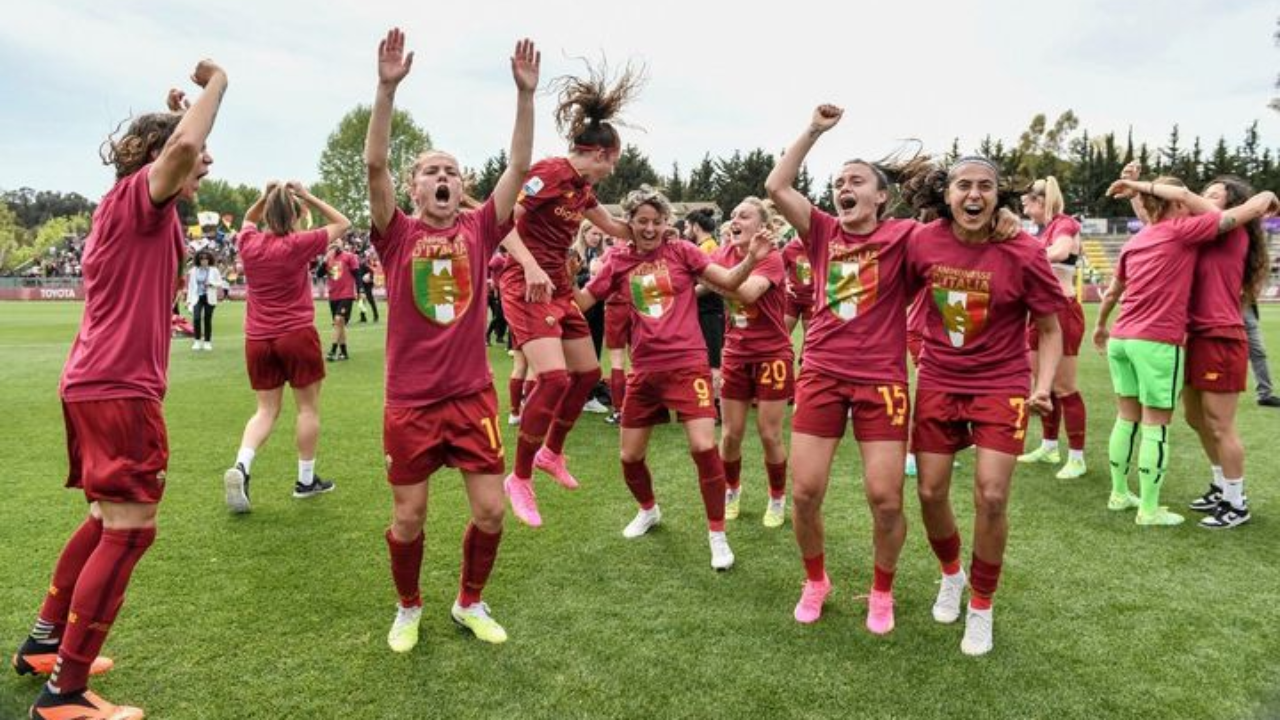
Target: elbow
184, 147
773, 185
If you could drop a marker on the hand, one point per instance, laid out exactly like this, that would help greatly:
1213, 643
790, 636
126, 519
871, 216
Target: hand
537, 284
205, 70
393, 63
825, 117
525, 62
1005, 225
761, 245
1274, 207
1040, 402
177, 101
271, 185
1132, 171
1122, 189
1100, 337
296, 188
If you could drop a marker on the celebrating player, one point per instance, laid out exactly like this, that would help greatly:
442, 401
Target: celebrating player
281, 343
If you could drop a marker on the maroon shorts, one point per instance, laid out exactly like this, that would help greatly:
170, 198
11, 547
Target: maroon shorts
558, 317
1218, 364
617, 325
765, 380
824, 404
794, 309
915, 343
947, 423
118, 449
294, 358
652, 395
460, 433
1071, 320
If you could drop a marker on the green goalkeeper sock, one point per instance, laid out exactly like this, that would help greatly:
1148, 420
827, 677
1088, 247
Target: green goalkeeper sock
1124, 435
1153, 460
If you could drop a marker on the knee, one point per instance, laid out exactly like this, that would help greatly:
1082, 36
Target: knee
554, 382
701, 445
805, 495
771, 437
932, 494
630, 456
732, 437
991, 501
408, 520
886, 508
489, 518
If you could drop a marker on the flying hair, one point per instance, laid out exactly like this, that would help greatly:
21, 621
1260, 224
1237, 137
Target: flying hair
646, 195
588, 108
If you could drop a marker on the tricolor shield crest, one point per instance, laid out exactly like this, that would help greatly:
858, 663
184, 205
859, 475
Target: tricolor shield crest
442, 287
964, 313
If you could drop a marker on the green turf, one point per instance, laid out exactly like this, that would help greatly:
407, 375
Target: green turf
284, 613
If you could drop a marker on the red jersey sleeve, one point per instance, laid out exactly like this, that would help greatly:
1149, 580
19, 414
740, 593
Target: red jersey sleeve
606, 282
821, 228
691, 256
136, 194
1198, 229
311, 243
492, 232
542, 184
771, 269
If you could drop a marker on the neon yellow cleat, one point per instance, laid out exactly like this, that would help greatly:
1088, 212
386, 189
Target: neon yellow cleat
732, 504
1160, 518
1118, 502
404, 631
476, 619
1074, 468
1041, 454
776, 514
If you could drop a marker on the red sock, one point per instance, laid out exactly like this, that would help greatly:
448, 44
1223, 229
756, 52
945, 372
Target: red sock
733, 473
406, 565
515, 391
983, 579
479, 550
777, 479
882, 580
95, 603
1050, 422
617, 387
815, 568
539, 408
1073, 413
947, 551
75, 554
580, 387
639, 482
528, 390
711, 482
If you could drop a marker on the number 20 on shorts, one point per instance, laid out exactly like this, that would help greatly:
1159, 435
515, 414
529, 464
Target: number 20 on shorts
774, 373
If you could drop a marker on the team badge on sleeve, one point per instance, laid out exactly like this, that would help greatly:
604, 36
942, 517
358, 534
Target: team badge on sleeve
532, 186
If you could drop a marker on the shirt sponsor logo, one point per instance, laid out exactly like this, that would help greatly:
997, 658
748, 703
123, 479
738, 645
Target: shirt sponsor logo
441, 269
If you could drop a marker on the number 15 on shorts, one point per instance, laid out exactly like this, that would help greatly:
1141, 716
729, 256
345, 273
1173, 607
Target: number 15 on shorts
895, 403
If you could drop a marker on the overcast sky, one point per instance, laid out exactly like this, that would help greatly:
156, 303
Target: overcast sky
722, 76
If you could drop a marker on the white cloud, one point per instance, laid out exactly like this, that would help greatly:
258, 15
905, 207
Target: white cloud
722, 77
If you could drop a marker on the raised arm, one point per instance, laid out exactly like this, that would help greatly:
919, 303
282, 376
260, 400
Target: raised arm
336, 224
608, 224
393, 66
525, 64
253, 216
187, 144
1264, 203
1255, 207
731, 279
1062, 247
780, 185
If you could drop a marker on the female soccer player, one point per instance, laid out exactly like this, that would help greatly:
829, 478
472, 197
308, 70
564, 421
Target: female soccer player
441, 409
112, 388
617, 335
281, 343
668, 356
1233, 269
759, 363
854, 363
1153, 284
340, 267
556, 196
974, 382
1060, 235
